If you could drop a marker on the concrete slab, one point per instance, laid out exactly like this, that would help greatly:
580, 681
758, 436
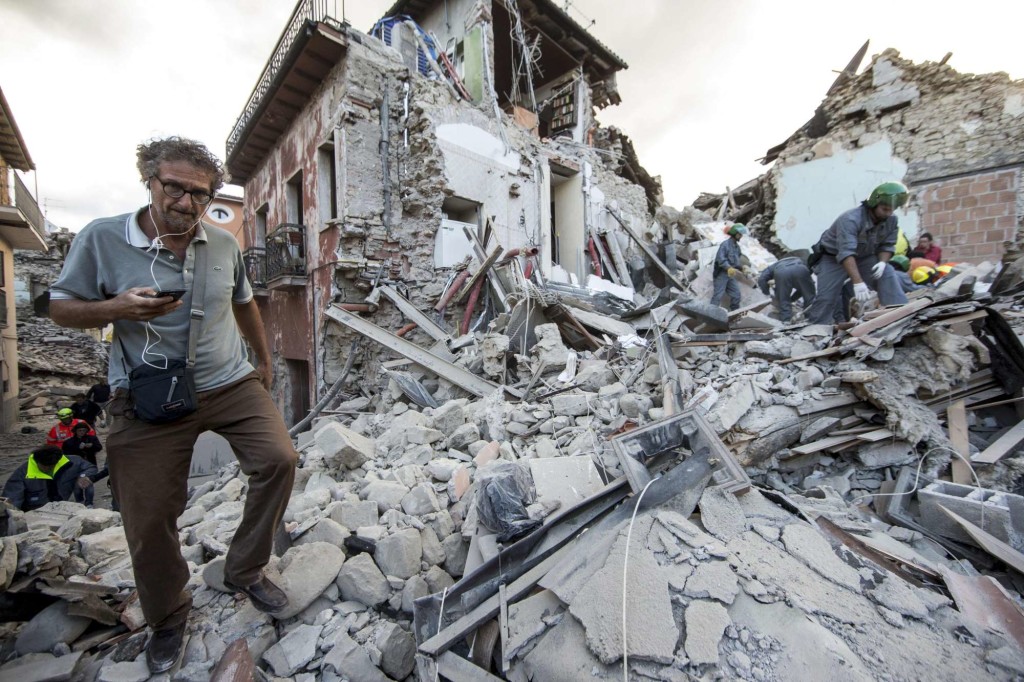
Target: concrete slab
567, 480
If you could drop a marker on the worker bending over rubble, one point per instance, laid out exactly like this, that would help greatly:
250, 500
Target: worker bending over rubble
728, 264
857, 247
792, 281
49, 476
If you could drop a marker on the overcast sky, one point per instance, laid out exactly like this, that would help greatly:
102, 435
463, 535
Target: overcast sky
711, 85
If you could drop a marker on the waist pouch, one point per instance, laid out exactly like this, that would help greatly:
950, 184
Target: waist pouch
163, 395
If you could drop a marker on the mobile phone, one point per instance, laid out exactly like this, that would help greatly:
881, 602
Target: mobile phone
175, 294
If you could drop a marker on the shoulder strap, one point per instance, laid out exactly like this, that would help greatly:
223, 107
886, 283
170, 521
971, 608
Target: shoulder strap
198, 293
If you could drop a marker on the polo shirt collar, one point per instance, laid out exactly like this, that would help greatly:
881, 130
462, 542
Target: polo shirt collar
134, 235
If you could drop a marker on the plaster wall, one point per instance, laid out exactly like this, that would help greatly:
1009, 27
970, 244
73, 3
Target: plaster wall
8, 345
811, 195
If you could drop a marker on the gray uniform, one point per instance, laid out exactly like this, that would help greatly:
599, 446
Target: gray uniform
854, 233
792, 280
728, 256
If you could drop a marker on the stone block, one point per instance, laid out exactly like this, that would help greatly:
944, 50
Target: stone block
387, 494
103, 545
399, 554
352, 514
325, 530
574, 404
705, 623
1001, 511
566, 480
348, 660
344, 447
41, 667
420, 501
360, 580
306, 571
886, 454
48, 627
716, 317
397, 650
294, 650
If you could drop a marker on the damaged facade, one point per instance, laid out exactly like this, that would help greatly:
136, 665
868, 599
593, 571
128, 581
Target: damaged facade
359, 169
956, 140
21, 227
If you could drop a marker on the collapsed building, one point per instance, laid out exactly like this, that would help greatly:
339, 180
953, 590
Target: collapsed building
956, 140
596, 474
366, 164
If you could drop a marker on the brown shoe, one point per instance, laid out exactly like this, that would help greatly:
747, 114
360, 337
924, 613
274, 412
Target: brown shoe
164, 648
265, 595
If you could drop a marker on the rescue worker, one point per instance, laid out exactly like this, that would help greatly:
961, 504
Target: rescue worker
902, 264
857, 247
64, 428
48, 476
792, 281
727, 265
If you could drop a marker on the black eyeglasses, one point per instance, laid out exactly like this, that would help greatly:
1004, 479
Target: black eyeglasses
176, 191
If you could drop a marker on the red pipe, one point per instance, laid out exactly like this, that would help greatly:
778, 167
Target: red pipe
529, 268
358, 307
527, 251
595, 260
456, 286
406, 329
473, 296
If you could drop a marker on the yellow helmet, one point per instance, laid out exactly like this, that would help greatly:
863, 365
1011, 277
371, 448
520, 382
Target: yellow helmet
922, 275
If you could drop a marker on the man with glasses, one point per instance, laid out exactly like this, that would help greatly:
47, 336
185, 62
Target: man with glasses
113, 274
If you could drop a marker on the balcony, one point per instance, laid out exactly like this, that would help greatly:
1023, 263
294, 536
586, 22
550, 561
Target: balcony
286, 257
311, 45
21, 221
256, 268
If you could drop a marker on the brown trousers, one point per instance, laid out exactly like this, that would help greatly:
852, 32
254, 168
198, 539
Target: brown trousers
149, 465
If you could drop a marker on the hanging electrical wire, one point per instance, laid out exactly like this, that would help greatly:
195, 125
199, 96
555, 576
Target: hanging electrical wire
528, 58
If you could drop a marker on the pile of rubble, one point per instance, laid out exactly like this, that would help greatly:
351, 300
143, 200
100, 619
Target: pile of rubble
598, 487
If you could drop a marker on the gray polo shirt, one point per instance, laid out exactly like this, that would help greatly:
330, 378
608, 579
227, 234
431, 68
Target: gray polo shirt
111, 255
854, 233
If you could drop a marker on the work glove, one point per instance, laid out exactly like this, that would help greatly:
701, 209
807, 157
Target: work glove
731, 272
877, 269
861, 292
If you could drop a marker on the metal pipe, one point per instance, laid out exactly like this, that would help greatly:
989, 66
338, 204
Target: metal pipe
358, 307
471, 304
595, 260
406, 329
456, 286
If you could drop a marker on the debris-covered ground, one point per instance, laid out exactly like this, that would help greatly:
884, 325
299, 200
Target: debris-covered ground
596, 482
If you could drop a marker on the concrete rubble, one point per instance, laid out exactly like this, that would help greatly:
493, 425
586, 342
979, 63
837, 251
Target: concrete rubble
597, 478
790, 568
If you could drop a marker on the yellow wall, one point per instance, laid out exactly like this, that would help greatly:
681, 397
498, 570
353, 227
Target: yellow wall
8, 345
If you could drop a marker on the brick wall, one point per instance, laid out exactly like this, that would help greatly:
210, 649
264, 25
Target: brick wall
971, 216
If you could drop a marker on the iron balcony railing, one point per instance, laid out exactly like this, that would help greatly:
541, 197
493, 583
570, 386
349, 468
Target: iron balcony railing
305, 11
286, 251
256, 266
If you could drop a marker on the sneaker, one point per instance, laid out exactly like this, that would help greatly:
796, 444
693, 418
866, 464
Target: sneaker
164, 648
265, 595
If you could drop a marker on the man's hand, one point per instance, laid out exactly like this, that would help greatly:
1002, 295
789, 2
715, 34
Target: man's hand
878, 269
266, 373
84, 482
731, 272
138, 303
85, 445
861, 292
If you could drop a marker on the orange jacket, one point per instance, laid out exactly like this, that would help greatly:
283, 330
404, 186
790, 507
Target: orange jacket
60, 433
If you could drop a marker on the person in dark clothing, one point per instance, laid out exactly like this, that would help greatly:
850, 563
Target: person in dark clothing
728, 264
84, 443
85, 409
48, 476
792, 281
99, 393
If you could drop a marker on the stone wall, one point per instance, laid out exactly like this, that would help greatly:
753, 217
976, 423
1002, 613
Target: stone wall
971, 217
956, 139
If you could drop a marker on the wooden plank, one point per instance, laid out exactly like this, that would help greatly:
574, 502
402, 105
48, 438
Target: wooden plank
956, 419
823, 444
990, 543
669, 275
890, 317
816, 354
984, 601
1003, 445
876, 435
982, 406
752, 308
457, 669
480, 272
503, 622
826, 404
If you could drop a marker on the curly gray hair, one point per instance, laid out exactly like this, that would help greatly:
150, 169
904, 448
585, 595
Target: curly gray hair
151, 154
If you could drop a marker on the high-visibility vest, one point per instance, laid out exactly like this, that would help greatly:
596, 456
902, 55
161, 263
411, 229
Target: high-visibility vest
35, 472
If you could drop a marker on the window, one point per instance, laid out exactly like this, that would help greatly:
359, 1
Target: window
261, 225
293, 195
327, 185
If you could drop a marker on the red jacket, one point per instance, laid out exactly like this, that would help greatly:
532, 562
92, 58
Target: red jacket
60, 433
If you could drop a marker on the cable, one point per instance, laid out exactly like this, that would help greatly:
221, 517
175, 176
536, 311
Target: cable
625, 571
